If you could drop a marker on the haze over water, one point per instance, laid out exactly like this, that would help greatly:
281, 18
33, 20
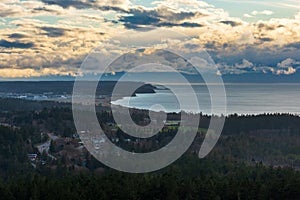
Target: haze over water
241, 99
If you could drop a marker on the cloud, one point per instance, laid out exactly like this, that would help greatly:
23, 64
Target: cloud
184, 24
53, 31
256, 13
35, 45
15, 44
288, 71
139, 19
69, 3
183, 3
247, 15
20, 8
264, 12
17, 35
115, 5
137, 16
287, 63
285, 67
240, 67
292, 4
245, 64
8, 9
295, 45
231, 23
25, 73
161, 16
266, 39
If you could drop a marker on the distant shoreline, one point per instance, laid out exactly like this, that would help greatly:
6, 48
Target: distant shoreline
241, 99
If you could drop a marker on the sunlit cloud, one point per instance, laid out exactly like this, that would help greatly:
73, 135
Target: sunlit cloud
39, 37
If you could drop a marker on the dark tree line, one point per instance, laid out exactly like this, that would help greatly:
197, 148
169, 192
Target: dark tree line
189, 178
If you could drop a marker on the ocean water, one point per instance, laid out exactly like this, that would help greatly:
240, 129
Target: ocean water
240, 99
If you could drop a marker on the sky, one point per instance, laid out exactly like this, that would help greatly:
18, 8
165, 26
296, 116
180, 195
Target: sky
53, 37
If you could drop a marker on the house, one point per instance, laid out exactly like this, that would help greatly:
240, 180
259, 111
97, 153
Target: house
32, 157
172, 122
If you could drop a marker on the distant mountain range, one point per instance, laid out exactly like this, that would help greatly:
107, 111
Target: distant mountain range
261, 78
66, 87
227, 78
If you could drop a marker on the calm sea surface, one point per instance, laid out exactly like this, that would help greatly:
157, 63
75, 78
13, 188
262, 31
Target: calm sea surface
240, 98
